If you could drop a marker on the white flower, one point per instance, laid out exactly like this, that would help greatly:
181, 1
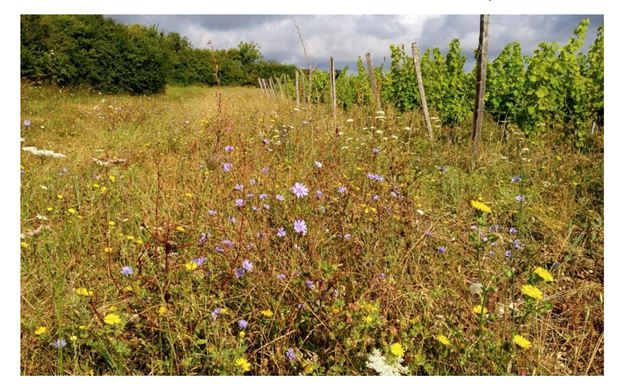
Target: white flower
43, 152
378, 362
476, 288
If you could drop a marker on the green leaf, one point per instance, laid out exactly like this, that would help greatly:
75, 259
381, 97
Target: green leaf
541, 92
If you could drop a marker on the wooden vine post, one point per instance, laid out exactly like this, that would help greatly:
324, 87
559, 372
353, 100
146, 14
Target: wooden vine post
332, 81
373, 84
296, 85
480, 88
422, 92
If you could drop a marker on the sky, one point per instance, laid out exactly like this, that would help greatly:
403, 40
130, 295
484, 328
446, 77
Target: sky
345, 37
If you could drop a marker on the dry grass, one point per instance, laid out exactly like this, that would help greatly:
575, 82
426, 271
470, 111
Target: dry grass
174, 150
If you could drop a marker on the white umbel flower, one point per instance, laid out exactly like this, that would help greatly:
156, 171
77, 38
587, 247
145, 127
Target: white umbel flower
43, 152
378, 362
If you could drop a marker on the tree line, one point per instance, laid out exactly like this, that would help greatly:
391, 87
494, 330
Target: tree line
92, 50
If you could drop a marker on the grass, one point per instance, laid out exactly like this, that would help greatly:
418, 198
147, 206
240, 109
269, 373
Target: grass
369, 273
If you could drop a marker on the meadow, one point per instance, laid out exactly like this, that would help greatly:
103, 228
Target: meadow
213, 231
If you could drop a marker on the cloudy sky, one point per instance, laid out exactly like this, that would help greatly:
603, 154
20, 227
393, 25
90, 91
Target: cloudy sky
347, 37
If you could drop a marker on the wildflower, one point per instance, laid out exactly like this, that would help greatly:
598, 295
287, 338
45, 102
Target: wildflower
375, 177
290, 354
517, 244
84, 292
442, 169
239, 203
319, 194
43, 152
265, 141
508, 253
267, 313
40, 331
59, 343
442, 249
239, 272
279, 197
243, 364
247, 265
111, 319
310, 284
228, 148
242, 334
317, 164
299, 190
513, 231
521, 342
479, 310
520, 198
480, 206
263, 196
265, 170
126, 271
281, 276
243, 324
378, 362
107, 249
180, 229
341, 190
544, 274
443, 340
202, 239
300, 226
191, 266
212, 212
227, 167
375, 198
216, 312
531, 291
199, 260
375, 151
382, 276
27, 123
347, 236
162, 310
228, 243
396, 350
238, 187
516, 179
476, 288
281, 232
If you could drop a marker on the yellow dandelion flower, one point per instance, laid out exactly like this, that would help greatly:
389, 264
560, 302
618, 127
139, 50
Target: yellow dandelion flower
59, 196
129, 237
49, 209
139, 241
242, 334
521, 342
107, 249
112, 178
368, 319
396, 350
180, 229
532, 292
544, 274
111, 223
443, 340
267, 313
95, 185
40, 331
111, 319
479, 310
73, 338
72, 211
162, 310
24, 245
480, 206
84, 292
103, 189
191, 265
189, 195
243, 364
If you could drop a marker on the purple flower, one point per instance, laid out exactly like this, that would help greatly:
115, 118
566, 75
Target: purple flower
442, 249
228, 243
265, 170
517, 244
215, 313
513, 231
281, 276
202, 239
516, 179
375, 177
375, 197
242, 324
300, 226
375, 151
232, 219
281, 232
252, 181
291, 355
494, 228
310, 284
382, 276
491, 253
212, 212
266, 206
219, 249
341, 189
59, 343
347, 236
239, 202
265, 141
238, 187
27, 123
126, 271
239, 272
247, 265
299, 190
428, 234
200, 260
442, 169
520, 198
228, 148
508, 253
319, 194
227, 167
317, 164
263, 196
250, 195
279, 197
